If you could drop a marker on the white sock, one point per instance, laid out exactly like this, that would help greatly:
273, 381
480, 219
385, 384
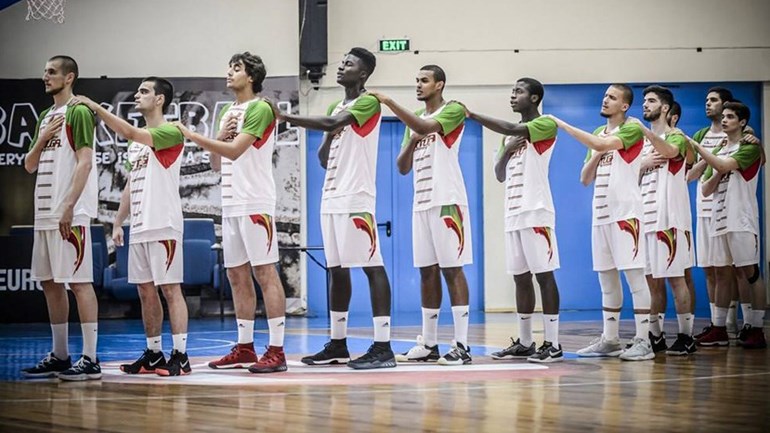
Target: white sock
720, 316
655, 328
525, 329
60, 334
339, 324
732, 314
685, 323
661, 320
276, 326
642, 326
759, 318
713, 308
430, 326
155, 343
180, 342
90, 334
748, 317
611, 325
461, 314
245, 331
382, 329
551, 324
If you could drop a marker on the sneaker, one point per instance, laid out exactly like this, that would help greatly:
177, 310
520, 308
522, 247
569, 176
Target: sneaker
601, 347
515, 351
420, 352
178, 365
717, 336
755, 339
240, 356
334, 352
684, 345
84, 369
640, 350
457, 355
145, 364
547, 353
705, 331
272, 361
743, 334
379, 355
50, 366
658, 343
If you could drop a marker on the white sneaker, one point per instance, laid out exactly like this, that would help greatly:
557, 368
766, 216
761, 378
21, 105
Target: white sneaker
420, 352
601, 347
640, 350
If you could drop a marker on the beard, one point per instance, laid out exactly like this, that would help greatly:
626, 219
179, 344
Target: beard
652, 116
605, 115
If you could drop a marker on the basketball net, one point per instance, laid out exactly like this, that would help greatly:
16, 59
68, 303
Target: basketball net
46, 9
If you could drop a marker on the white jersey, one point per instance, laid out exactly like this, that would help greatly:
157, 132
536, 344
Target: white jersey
735, 200
351, 170
56, 168
666, 200
248, 187
709, 140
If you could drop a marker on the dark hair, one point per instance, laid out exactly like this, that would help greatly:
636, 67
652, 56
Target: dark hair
367, 59
628, 93
68, 64
535, 87
676, 109
162, 87
665, 95
740, 109
438, 72
255, 68
724, 94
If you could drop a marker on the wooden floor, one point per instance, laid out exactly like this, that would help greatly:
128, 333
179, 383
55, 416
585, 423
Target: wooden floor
715, 390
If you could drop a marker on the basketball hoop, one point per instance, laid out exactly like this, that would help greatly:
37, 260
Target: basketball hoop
46, 9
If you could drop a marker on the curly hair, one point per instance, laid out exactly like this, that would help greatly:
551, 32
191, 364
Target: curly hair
255, 68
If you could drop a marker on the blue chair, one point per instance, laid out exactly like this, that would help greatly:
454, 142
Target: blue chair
202, 258
115, 281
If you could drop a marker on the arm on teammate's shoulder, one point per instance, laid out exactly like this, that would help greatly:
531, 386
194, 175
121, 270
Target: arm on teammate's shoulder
410, 119
593, 142
500, 126
115, 123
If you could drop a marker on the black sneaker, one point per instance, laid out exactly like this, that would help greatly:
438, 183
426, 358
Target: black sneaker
684, 345
50, 366
658, 343
547, 353
379, 355
515, 350
146, 364
743, 334
178, 365
457, 355
334, 352
84, 369
705, 331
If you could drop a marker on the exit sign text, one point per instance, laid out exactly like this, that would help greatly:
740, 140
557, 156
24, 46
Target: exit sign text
394, 45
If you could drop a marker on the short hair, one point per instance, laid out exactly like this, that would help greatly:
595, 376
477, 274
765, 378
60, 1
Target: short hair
724, 94
741, 110
665, 95
438, 72
368, 59
162, 87
676, 109
535, 87
255, 68
628, 92
68, 65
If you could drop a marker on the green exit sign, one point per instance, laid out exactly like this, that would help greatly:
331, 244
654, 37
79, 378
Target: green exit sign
394, 45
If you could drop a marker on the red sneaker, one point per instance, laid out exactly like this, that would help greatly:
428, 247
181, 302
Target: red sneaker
717, 336
755, 339
271, 362
241, 356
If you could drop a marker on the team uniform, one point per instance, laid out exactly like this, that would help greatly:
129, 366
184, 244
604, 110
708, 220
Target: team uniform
348, 224
617, 203
157, 225
667, 218
70, 260
734, 224
709, 140
530, 219
441, 227
248, 189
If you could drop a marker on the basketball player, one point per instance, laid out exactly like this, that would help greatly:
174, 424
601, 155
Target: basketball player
151, 196
441, 226
65, 201
245, 142
522, 164
348, 224
613, 162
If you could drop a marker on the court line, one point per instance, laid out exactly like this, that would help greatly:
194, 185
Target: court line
330, 392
